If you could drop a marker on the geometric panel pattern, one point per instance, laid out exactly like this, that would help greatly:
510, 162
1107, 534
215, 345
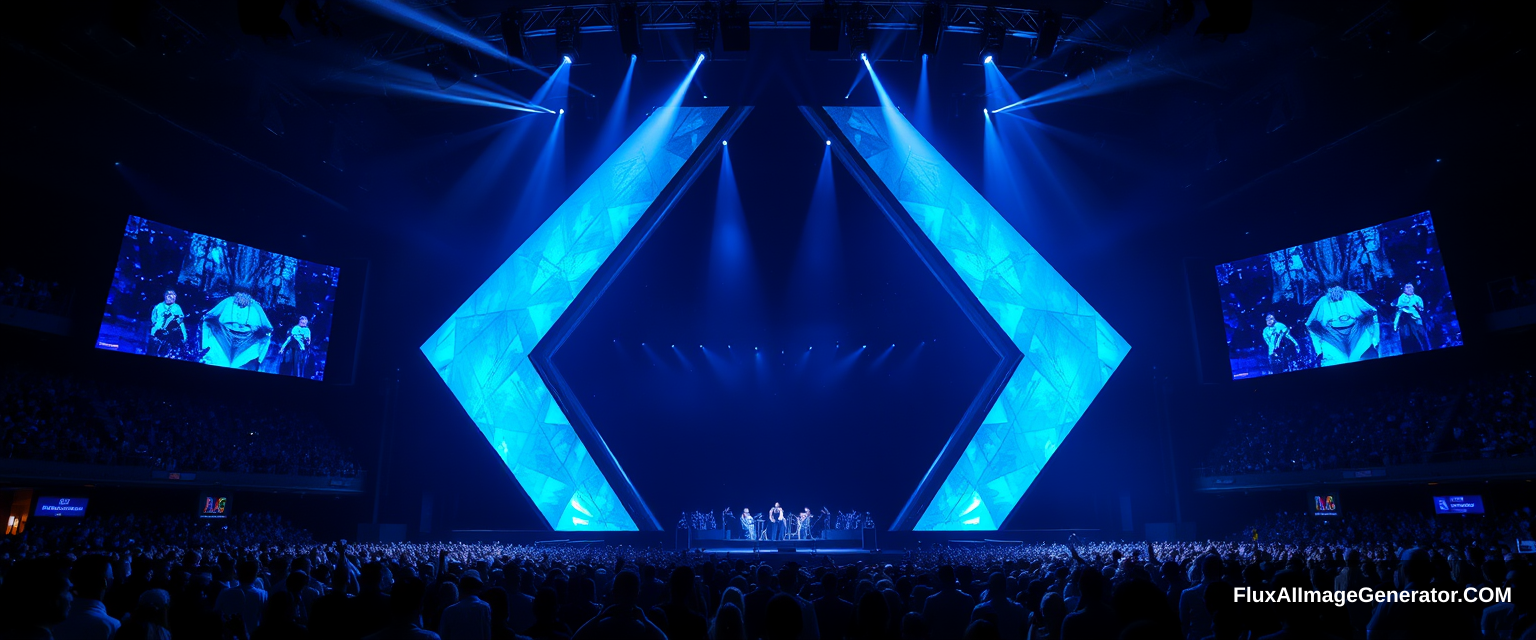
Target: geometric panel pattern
482, 350
1069, 350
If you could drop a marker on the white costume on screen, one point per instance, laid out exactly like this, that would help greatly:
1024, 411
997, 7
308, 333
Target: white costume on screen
1409, 304
234, 335
1343, 330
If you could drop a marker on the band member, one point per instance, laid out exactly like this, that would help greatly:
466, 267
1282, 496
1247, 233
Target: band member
803, 527
1343, 327
725, 521
1414, 331
1276, 334
236, 333
776, 522
167, 326
748, 532
295, 349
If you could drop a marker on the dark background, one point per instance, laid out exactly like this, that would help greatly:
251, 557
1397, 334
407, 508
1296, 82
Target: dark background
1205, 152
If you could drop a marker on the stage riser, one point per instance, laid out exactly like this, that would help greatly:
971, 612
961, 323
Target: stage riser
803, 546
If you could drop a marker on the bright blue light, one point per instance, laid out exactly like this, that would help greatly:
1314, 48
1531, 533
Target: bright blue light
562, 112
567, 59
482, 350
987, 60
725, 143
829, 143
1070, 350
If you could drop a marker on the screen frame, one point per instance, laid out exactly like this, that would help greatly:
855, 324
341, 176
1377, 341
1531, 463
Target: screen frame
343, 310
37, 505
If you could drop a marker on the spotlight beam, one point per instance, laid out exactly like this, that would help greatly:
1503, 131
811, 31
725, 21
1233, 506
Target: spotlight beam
432, 26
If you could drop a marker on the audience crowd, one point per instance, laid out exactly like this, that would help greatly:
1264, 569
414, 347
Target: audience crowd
1493, 417
63, 419
259, 578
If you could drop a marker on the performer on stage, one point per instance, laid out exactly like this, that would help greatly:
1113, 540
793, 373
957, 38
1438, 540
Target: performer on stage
803, 527
776, 522
725, 521
167, 329
1343, 327
746, 524
1281, 355
236, 333
1414, 330
295, 349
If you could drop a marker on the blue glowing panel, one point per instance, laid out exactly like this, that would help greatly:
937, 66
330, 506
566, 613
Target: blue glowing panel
482, 350
1069, 350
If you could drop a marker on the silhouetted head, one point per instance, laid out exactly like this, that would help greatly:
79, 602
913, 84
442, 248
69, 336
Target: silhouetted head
783, 619
626, 589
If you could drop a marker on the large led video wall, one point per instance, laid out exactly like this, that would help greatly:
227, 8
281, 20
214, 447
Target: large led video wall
188, 296
1374, 293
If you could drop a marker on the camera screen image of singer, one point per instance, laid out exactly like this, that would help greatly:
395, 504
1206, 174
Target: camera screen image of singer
183, 295
1372, 293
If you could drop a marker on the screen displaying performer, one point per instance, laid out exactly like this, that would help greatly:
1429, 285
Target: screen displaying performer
1377, 292
187, 296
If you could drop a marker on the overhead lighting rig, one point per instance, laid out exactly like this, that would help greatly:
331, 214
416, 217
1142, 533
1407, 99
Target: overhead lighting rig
706, 20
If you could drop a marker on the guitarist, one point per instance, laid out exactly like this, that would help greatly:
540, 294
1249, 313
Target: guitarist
168, 329
295, 349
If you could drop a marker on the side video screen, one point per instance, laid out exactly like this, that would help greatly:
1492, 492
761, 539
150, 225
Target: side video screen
188, 296
1374, 293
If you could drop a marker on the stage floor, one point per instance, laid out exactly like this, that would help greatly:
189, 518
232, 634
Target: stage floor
774, 551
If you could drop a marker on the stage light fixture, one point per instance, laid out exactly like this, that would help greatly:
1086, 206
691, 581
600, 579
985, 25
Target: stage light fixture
735, 28
826, 27
628, 25
994, 31
512, 35
930, 28
705, 23
463, 57
1050, 31
567, 39
443, 71
857, 23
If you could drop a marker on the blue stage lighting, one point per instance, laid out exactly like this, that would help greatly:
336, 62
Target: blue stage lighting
986, 60
829, 143
562, 112
567, 59
482, 351
725, 143
1071, 351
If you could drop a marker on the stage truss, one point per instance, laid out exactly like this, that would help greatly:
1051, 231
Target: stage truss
884, 15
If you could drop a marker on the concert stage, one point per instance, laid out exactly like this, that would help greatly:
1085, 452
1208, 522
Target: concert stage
838, 540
